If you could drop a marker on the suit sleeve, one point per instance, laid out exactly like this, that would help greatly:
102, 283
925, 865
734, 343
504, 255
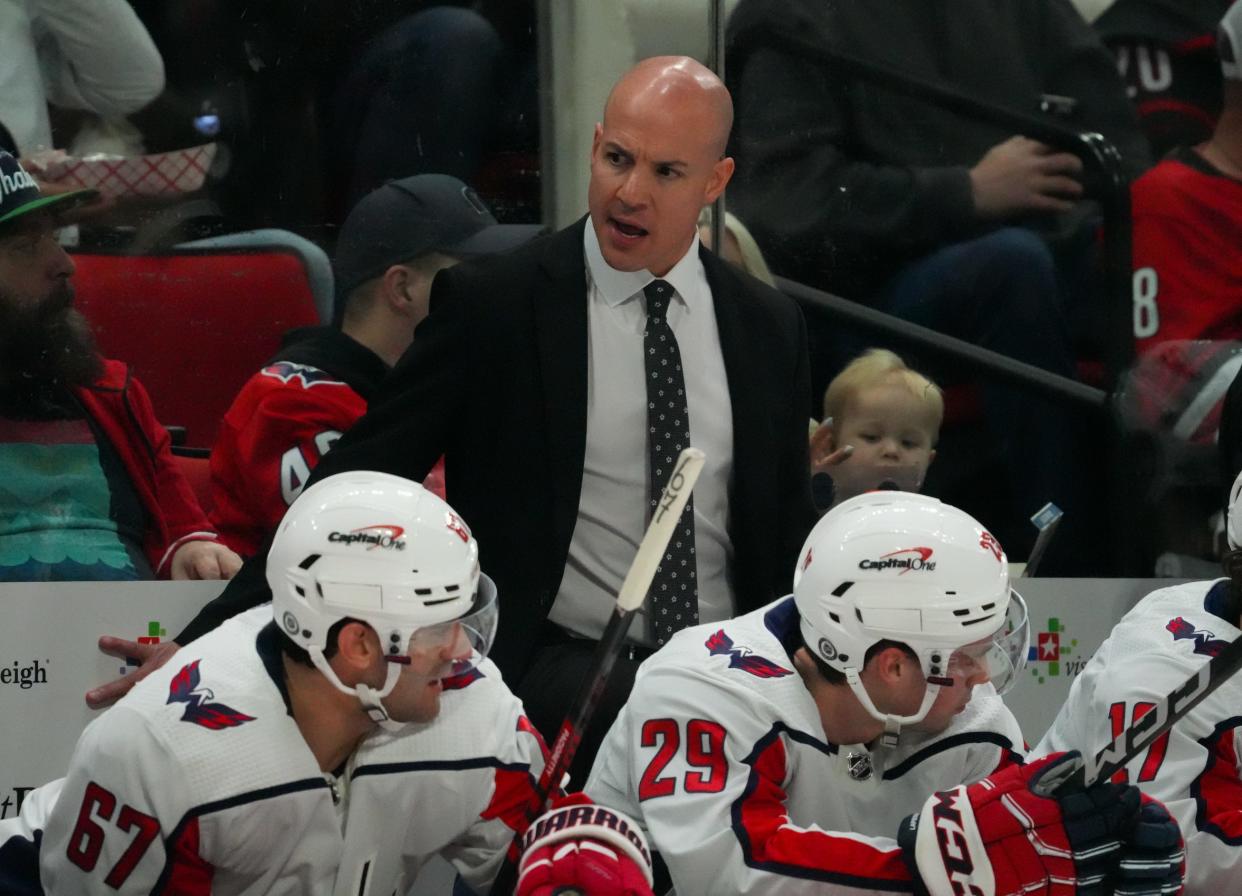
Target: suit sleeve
797, 506
711, 784
409, 422
408, 425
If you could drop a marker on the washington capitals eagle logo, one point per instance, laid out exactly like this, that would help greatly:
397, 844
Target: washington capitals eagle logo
287, 371
742, 658
1205, 642
184, 688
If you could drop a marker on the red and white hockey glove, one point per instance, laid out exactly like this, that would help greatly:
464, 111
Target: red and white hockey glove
998, 837
580, 847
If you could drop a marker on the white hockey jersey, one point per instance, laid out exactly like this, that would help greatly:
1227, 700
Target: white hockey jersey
720, 752
199, 781
1194, 769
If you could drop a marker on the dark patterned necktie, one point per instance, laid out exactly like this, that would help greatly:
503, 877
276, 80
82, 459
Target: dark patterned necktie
675, 590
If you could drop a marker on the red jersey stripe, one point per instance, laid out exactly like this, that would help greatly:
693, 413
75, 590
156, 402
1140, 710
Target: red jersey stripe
190, 873
770, 839
1218, 791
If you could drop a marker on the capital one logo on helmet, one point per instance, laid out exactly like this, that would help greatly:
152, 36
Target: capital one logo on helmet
378, 536
906, 559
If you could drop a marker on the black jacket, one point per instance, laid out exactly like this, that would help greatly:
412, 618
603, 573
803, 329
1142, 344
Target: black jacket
496, 382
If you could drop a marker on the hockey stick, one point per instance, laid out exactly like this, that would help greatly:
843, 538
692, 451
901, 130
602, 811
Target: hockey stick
633, 591
1046, 520
1155, 722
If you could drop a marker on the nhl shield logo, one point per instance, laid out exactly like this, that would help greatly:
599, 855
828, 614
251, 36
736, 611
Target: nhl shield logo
859, 766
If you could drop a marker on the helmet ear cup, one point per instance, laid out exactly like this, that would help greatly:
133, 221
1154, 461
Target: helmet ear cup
1233, 520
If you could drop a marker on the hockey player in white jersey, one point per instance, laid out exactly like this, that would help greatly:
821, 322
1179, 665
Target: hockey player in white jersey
780, 752
1196, 767
328, 743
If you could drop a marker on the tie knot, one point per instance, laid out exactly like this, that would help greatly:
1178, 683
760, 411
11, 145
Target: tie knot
659, 293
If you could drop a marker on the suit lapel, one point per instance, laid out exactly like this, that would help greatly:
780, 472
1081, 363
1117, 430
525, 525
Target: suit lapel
560, 314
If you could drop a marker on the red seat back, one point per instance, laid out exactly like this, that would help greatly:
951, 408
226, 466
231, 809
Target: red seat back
194, 325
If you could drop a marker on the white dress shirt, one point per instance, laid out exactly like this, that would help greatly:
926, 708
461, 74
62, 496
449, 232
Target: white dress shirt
612, 507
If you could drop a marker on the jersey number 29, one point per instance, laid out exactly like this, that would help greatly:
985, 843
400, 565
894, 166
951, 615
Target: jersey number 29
704, 753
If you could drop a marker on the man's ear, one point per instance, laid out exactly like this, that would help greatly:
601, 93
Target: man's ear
357, 647
398, 288
722, 171
893, 665
596, 140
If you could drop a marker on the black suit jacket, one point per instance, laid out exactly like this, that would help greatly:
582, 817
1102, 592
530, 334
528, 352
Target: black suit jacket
496, 382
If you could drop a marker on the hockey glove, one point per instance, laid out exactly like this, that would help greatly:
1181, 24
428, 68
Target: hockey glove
1153, 856
578, 846
997, 837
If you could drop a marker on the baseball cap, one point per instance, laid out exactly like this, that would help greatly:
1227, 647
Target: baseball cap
19, 193
410, 217
1229, 43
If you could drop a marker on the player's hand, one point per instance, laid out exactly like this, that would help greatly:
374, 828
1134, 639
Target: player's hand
150, 657
1153, 856
202, 560
998, 837
579, 847
1023, 175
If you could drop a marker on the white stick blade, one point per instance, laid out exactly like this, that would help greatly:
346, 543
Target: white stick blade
668, 512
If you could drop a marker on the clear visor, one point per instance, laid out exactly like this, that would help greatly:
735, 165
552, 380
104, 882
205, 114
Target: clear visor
453, 648
1001, 656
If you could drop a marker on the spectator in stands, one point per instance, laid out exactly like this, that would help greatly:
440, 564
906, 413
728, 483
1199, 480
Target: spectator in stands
293, 410
881, 424
1166, 53
89, 488
92, 55
433, 90
887, 199
1188, 226
740, 247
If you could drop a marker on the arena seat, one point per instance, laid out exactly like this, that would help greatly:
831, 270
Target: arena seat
195, 323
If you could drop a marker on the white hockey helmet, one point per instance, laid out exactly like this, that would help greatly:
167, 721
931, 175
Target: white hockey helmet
897, 566
387, 552
1233, 515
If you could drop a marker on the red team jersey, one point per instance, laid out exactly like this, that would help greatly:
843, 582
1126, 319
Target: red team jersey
1187, 260
282, 422
286, 417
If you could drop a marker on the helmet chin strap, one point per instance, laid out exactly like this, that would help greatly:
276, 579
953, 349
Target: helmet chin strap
368, 696
892, 723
